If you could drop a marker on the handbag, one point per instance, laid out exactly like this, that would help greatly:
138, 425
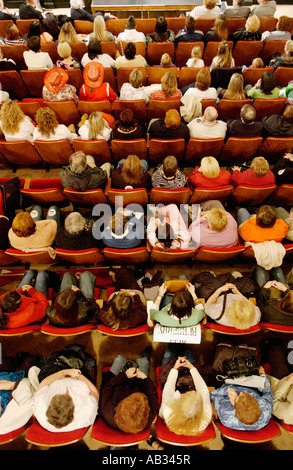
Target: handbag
226, 352
240, 366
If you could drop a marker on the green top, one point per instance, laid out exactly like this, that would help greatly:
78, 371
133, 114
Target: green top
257, 93
163, 317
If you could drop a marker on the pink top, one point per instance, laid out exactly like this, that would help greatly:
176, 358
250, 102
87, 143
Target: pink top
159, 95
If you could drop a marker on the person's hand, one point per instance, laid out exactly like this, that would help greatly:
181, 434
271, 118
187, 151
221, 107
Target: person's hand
162, 289
73, 373
278, 285
6, 385
268, 285
235, 290
232, 395
290, 378
258, 83
289, 156
179, 363
204, 217
26, 287
140, 374
75, 288
226, 287
159, 245
188, 364
236, 168
191, 289
131, 372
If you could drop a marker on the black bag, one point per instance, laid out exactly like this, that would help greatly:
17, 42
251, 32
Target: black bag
10, 191
206, 283
231, 362
239, 366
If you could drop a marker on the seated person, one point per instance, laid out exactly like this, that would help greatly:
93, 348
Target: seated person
258, 174
29, 232
131, 172
184, 412
235, 90
12, 35
128, 397
209, 9
283, 169
274, 298
74, 306
244, 408
130, 58
246, 126
224, 56
167, 175
126, 307
202, 87
251, 32
181, 310
207, 126
169, 90
219, 32
34, 58
94, 87
126, 127
82, 173
214, 227
95, 54
189, 33
14, 124
66, 62
56, 87
238, 311
68, 33
265, 87
125, 229
285, 59
26, 304
28, 10
265, 9
161, 33
48, 127
96, 127
170, 127
262, 226
130, 34
282, 31
134, 90
167, 229
196, 58
75, 235
208, 175
279, 125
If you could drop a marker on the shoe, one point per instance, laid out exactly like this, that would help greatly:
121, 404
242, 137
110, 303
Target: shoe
84, 117
154, 443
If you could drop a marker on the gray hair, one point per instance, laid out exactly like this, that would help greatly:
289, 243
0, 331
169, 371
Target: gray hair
211, 113
77, 162
74, 223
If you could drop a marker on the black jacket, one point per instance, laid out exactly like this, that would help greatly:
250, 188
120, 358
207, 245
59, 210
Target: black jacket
27, 12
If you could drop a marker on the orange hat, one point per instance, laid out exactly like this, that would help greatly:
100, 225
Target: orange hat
93, 74
55, 79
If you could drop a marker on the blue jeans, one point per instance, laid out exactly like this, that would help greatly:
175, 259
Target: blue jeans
54, 213
260, 275
87, 282
43, 280
175, 350
120, 360
242, 215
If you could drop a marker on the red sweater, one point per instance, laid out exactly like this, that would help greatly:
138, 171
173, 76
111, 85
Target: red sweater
101, 93
198, 180
247, 177
32, 309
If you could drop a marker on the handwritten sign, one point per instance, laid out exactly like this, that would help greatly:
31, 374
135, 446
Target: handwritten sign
189, 335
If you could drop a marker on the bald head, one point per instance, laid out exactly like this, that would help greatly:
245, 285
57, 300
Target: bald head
210, 114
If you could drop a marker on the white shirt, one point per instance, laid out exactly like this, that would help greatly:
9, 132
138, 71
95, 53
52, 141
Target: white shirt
61, 132
25, 132
203, 12
216, 60
131, 35
84, 132
37, 60
86, 406
198, 64
128, 92
210, 93
105, 59
199, 129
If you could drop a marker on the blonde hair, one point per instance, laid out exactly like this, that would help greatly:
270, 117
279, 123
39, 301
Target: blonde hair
203, 79
136, 78
257, 63
220, 26
252, 24
100, 30
166, 60
225, 55
118, 222
210, 167
241, 314
186, 414
289, 47
235, 89
96, 125
210, 4
196, 55
11, 116
169, 84
217, 219
47, 121
68, 34
132, 170
64, 50
259, 166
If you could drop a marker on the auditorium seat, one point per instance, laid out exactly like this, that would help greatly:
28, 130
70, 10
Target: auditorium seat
230, 109
240, 149
175, 23
90, 256
66, 111
116, 26
183, 52
246, 195
284, 75
104, 434
39, 436
21, 152
155, 50
83, 26
169, 196
196, 149
109, 47
204, 24
158, 108
3, 26
30, 108
78, 50
75, 78
252, 74
244, 52
178, 256
12, 82
44, 191
211, 50
221, 76
187, 75
123, 197
126, 256
89, 107
161, 148
221, 193
89, 198
282, 195
267, 107
24, 26
54, 152
274, 148
155, 74
21, 330
268, 24
99, 149
139, 108
140, 47
32, 257
51, 330
6, 259
234, 24
122, 148
109, 77
272, 47
34, 81
207, 254
15, 53
51, 48
145, 25
123, 75
268, 433
12, 435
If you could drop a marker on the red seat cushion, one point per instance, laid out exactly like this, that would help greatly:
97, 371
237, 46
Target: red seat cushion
166, 435
270, 431
67, 331
38, 435
103, 433
276, 327
128, 332
10, 436
231, 330
21, 330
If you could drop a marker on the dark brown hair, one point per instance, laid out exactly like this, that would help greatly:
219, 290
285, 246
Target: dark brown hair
266, 217
181, 305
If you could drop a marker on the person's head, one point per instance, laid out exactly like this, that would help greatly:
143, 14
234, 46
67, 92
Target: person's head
284, 24
131, 22
210, 167
266, 217
252, 24
46, 121
34, 28
248, 114
238, 3
132, 170
187, 414
196, 52
203, 79
10, 302
94, 48
235, 89
217, 219
287, 302
66, 306
259, 166
136, 78
23, 225
161, 25
77, 162
74, 223
241, 313
34, 43
172, 119
170, 166
118, 223
50, 24
288, 113
268, 82
210, 4
220, 27
11, 116
210, 114
60, 411
190, 23
181, 305
95, 124
166, 60
119, 311
225, 54
247, 408
64, 50
68, 33
99, 28
289, 48
132, 413
257, 63
127, 119
130, 51
12, 32
168, 84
